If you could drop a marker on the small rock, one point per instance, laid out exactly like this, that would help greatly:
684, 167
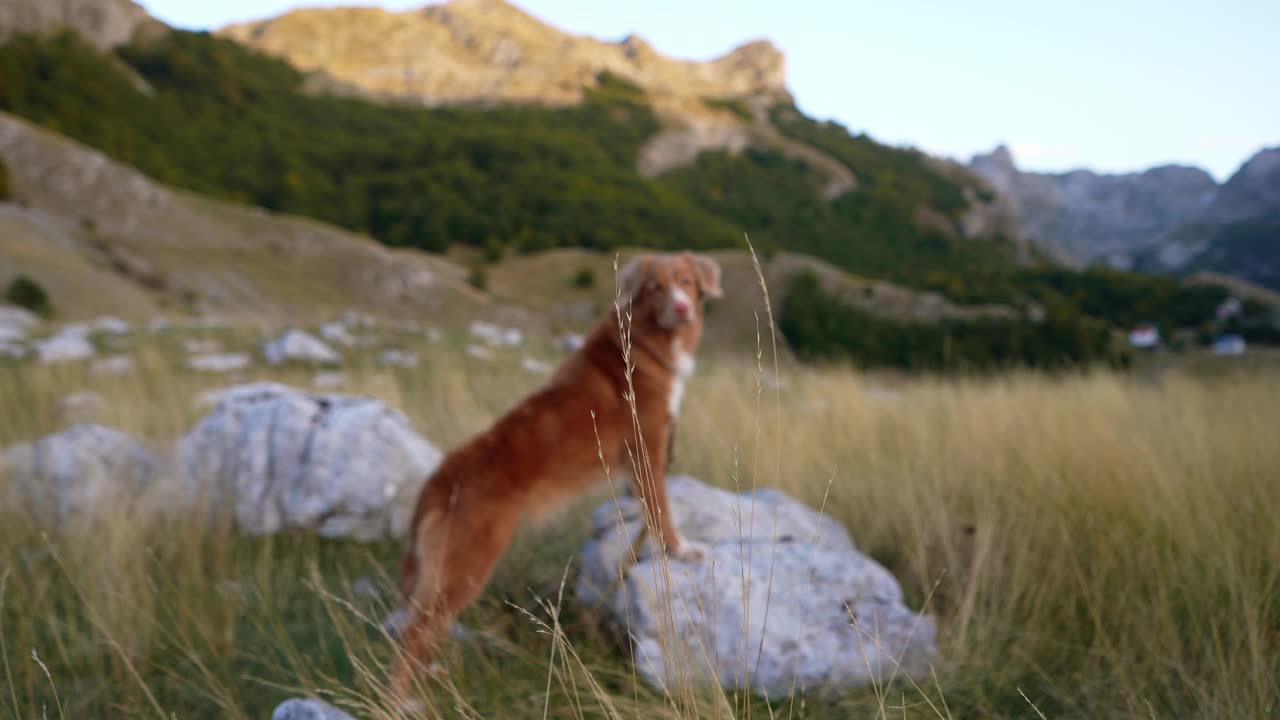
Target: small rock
365, 587
278, 458
308, 709
434, 335
113, 365
12, 349
201, 347
835, 617
398, 358
158, 325
479, 352
336, 332
534, 366
357, 319
395, 622
72, 475
81, 407
16, 323
65, 347
109, 325
328, 380
496, 335
219, 362
299, 346
570, 342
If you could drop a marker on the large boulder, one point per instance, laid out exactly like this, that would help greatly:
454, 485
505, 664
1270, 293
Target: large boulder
782, 592
300, 347
308, 709
71, 475
277, 458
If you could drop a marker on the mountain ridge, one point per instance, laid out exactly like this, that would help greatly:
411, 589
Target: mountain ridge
1168, 218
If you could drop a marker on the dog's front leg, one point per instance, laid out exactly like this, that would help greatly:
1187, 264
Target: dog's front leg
651, 485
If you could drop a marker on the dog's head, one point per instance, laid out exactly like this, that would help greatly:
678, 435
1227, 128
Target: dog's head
667, 289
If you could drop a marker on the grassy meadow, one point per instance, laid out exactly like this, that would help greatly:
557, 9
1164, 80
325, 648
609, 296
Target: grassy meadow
1093, 546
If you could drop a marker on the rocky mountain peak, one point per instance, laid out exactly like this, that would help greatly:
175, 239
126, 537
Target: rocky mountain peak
491, 50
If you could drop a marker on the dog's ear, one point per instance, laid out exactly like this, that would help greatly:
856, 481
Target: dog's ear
631, 277
708, 273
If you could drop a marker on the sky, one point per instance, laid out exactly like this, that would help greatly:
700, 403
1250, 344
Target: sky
1109, 85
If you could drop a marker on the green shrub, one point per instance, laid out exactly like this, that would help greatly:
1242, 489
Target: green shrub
5, 192
27, 293
478, 278
584, 279
820, 327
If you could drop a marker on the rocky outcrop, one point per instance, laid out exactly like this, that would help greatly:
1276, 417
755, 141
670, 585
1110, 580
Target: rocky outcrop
71, 476
490, 50
105, 23
815, 612
276, 459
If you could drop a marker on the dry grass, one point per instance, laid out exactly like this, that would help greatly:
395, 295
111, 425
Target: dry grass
1094, 546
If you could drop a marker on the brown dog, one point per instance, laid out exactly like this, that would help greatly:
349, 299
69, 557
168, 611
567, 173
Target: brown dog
546, 449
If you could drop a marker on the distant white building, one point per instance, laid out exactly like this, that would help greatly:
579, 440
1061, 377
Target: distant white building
1229, 345
1144, 336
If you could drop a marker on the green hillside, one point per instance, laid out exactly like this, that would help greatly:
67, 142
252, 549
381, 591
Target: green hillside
222, 120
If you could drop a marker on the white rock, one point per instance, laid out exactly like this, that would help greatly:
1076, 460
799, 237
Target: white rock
496, 335
12, 349
570, 342
328, 380
73, 474
201, 347
534, 366
365, 587
109, 325
398, 358
17, 320
66, 346
75, 330
113, 365
336, 332
357, 319
434, 335
219, 362
834, 616
277, 458
79, 407
158, 325
308, 709
210, 398
299, 346
479, 352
